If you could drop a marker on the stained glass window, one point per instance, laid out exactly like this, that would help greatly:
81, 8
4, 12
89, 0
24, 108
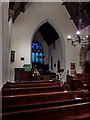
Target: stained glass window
37, 52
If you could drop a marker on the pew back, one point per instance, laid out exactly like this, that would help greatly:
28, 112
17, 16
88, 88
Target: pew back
32, 90
51, 113
31, 85
40, 97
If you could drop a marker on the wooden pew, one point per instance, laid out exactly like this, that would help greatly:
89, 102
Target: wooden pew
82, 76
42, 104
40, 97
86, 84
76, 85
87, 94
27, 82
32, 90
33, 102
32, 85
46, 77
80, 84
51, 113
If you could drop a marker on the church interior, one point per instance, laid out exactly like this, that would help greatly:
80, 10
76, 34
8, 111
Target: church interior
45, 60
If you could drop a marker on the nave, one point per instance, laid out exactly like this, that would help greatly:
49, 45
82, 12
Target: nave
43, 36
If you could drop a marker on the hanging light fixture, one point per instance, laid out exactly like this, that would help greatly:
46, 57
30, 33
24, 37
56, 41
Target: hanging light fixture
79, 39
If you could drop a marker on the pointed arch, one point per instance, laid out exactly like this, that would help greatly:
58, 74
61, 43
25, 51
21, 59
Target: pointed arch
83, 53
62, 42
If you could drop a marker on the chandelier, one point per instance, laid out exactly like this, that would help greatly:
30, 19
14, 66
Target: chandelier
79, 39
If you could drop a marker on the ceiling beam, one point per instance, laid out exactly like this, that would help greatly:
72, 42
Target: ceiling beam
15, 8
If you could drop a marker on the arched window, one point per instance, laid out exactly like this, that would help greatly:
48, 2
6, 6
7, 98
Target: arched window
58, 65
37, 52
51, 63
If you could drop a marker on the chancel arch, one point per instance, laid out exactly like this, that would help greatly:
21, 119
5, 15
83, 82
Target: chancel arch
87, 63
84, 57
47, 32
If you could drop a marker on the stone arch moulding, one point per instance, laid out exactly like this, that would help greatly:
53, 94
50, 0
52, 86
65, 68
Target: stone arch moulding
83, 52
62, 41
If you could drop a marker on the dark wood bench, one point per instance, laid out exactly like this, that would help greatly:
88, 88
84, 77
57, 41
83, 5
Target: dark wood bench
84, 116
76, 84
50, 105
80, 84
86, 84
48, 77
17, 104
40, 97
27, 82
32, 90
42, 104
50, 113
31, 85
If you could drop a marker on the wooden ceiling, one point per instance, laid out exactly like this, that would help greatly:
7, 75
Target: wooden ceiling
15, 8
79, 11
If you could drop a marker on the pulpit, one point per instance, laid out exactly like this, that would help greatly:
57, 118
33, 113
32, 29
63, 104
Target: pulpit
22, 75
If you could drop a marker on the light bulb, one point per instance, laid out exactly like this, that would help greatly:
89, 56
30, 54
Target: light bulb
69, 36
83, 38
78, 32
87, 36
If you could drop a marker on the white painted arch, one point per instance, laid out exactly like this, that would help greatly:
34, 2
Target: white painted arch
62, 42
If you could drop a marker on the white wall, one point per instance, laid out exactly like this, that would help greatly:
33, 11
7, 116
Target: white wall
4, 43
1, 44
88, 55
56, 55
27, 24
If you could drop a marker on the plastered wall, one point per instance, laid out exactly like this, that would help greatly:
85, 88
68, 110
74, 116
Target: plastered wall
4, 43
27, 24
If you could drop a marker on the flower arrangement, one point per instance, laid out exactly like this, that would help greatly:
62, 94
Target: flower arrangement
35, 73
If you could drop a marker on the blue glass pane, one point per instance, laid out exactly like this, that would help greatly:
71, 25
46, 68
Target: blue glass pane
33, 53
33, 56
40, 54
41, 60
33, 43
36, 44
36, 59
32, 47
36, 53
37, 47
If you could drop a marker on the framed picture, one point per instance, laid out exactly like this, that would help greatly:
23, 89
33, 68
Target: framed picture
12, 56
73, 67
22, 58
